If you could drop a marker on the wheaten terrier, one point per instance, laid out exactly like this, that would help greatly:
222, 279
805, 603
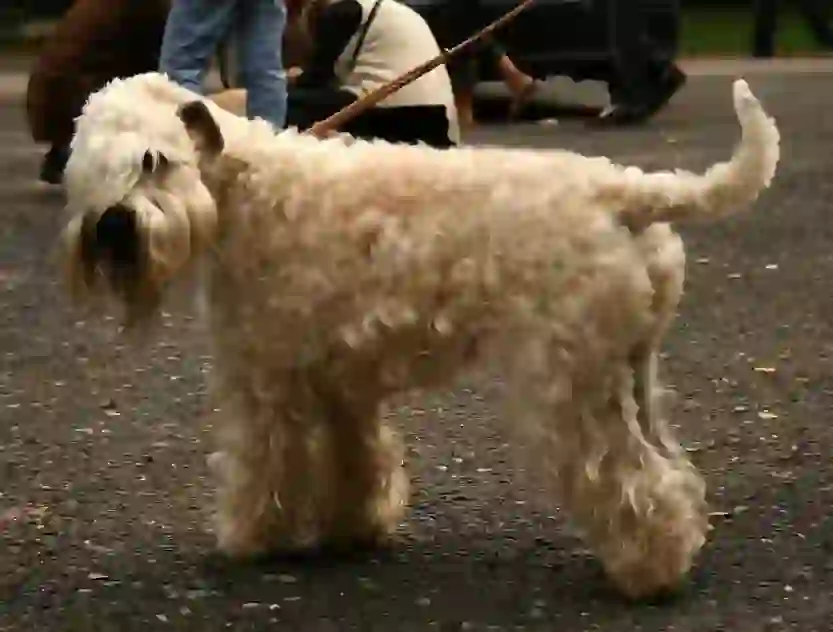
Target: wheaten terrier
339, 274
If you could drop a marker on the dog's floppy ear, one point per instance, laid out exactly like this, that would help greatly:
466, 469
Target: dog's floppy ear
202, 127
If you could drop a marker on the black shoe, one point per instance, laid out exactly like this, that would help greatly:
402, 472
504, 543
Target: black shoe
669, 84
54, 163
623, 114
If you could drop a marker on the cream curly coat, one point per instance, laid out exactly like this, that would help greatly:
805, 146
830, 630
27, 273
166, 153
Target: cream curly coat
340, 274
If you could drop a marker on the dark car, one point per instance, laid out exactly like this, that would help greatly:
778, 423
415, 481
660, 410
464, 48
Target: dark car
569, 37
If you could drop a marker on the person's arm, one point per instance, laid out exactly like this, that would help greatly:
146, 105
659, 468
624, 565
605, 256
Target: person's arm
333, 29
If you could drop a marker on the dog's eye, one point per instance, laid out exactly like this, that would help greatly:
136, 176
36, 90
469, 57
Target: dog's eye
152, 162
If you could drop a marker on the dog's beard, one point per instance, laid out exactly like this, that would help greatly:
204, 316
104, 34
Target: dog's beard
114, 252
131, 252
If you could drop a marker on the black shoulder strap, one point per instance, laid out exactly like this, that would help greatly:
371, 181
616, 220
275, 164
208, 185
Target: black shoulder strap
363, 33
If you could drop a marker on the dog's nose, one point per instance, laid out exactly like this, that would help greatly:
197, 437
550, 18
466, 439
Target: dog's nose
116, 233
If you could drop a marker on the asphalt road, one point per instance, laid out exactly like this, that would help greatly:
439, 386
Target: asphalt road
104, 489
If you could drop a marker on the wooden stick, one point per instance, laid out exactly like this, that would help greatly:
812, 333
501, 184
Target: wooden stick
334, 122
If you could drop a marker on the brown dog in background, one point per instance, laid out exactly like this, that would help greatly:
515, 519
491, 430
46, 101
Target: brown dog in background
97, 41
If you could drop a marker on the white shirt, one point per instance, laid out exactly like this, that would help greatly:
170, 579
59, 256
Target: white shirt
397, 41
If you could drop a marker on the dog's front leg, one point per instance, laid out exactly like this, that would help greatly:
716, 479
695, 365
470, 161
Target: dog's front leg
272, 478
369, 481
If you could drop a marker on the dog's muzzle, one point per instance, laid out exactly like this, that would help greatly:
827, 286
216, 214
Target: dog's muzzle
111, 242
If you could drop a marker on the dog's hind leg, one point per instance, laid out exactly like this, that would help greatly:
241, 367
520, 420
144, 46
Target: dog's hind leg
599, 439
664, 256
661, 516
641, 510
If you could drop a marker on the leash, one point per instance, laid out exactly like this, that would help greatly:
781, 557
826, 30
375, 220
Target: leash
331, 124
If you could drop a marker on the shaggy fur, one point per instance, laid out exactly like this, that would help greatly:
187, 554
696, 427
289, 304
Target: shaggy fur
342, 273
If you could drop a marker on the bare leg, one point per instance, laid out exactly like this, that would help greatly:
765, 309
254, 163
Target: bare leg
515, 79
465, 109
463, 71
521, 86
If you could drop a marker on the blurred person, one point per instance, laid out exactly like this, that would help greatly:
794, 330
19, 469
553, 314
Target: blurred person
815, 12
194, 31
296, 44
360, 45
457, 21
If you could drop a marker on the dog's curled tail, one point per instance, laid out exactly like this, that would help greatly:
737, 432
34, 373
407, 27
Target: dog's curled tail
725, 188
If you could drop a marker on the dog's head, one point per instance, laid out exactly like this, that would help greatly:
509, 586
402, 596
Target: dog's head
140, 208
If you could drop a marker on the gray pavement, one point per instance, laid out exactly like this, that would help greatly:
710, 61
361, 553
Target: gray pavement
104, 488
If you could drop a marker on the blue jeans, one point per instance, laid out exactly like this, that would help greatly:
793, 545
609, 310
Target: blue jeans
194, 31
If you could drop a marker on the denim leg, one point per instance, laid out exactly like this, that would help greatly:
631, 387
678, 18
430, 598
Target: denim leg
260, 28
192, 34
